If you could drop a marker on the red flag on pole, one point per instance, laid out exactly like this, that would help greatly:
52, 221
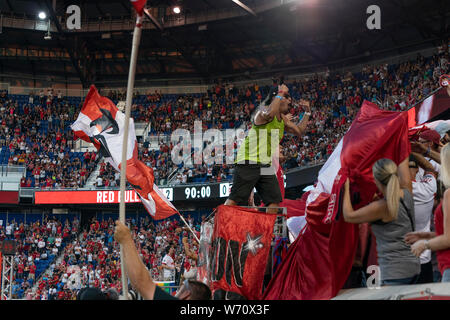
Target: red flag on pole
101, 123
139, 5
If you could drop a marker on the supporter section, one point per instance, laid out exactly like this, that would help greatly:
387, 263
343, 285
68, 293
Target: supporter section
58, 254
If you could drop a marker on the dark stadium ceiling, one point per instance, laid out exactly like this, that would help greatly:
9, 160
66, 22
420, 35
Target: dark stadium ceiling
292, 35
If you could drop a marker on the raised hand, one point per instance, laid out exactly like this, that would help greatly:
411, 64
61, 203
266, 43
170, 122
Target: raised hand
418, 147
289, 116
305, 104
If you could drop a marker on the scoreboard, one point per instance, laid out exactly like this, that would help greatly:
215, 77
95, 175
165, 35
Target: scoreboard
172, 193
198, 192
189, 192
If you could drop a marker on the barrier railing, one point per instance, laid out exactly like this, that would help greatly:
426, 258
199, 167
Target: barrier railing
4, 170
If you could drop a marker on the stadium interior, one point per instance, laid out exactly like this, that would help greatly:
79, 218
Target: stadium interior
215, 62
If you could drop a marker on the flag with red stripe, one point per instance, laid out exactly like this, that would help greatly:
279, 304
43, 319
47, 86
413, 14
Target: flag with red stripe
101, 123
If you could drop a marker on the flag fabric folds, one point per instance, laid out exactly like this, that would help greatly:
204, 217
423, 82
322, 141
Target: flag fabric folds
100, 122
203, 263
240, 248
433, 108
139, 5
320, 259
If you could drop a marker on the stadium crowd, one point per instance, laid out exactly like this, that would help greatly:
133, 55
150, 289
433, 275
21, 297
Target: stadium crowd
35, 131
336, 99
31, 135
55, 260
38, 245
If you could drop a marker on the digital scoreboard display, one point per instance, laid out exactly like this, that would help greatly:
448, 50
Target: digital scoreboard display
212, 191
176, 193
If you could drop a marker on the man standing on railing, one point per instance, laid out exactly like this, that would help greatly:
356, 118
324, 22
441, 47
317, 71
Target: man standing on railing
254, 165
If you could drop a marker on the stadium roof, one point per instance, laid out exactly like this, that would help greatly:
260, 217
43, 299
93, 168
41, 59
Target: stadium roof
210, 38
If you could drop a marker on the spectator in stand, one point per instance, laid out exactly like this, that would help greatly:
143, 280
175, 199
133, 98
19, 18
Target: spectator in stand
438, 241
168, 265
424, 191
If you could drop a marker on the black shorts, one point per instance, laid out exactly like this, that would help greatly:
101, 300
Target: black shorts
246, 177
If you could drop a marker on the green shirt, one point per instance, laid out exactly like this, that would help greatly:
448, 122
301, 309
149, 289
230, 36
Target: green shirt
257, 146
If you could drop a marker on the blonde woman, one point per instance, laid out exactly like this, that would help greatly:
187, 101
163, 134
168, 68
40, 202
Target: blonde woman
438, 241
391, 219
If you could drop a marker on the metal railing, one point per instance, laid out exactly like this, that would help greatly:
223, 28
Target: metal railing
201, 88
9, 186
4, 86
126, 22
6, 170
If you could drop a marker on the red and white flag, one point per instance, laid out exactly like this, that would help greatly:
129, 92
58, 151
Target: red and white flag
320, 260
435, 107
101, 123
139, 5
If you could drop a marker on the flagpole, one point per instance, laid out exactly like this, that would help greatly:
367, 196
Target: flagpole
192, 231
425, 98
123, 168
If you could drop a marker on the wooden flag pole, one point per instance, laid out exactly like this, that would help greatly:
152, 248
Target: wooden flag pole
123, 168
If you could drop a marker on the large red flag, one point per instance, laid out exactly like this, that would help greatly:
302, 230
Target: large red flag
241, 244
319, 261
101, 123
139, 5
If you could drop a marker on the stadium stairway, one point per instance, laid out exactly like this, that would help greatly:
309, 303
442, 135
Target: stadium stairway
43, 269
90, 182
48, 272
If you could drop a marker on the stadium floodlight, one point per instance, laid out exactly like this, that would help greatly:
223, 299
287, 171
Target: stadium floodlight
176, 10
42, 15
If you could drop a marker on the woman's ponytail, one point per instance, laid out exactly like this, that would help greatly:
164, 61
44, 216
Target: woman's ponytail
393, 196
385, 172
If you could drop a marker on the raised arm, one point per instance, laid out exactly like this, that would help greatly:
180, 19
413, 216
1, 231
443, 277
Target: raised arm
424, 163
299, 129
265, 116
404, 175
137, 272
369, 213
189, 253
418, 147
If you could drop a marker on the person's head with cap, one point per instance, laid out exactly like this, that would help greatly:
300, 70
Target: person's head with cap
431, 139
443, 129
